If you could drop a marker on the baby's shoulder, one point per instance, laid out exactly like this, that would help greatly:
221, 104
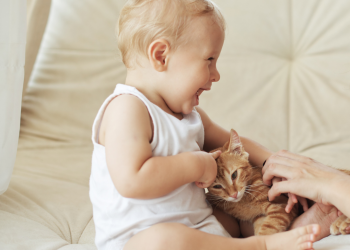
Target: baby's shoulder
124, 102
125, 112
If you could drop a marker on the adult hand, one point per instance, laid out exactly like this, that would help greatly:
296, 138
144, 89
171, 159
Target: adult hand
303, 176
210, 169
292, 198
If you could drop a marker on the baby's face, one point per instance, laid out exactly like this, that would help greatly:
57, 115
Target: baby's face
192, 67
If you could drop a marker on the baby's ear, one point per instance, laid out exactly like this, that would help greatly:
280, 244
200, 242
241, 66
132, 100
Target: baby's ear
158, 54
235, 144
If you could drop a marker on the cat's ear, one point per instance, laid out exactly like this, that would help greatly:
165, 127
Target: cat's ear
235, 144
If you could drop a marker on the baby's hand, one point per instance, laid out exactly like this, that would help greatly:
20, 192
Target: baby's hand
293, 199
210, 169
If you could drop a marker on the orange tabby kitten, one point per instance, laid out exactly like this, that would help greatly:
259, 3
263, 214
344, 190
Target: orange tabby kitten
239, 191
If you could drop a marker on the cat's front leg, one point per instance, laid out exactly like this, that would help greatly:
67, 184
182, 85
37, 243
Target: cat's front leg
257, 223
341, 225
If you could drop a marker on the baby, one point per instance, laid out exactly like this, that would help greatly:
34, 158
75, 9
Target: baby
150, 163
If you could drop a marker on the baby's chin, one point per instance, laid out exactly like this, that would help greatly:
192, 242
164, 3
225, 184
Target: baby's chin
187, 109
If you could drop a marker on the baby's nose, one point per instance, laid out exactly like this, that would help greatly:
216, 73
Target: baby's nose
234, 195
215, 77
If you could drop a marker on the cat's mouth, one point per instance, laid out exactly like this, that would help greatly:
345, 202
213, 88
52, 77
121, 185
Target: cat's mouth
238, 198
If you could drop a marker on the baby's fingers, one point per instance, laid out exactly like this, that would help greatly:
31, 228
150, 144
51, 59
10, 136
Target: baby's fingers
215, 154
303, 202
293, 197
277, 189
200, 184
290, 203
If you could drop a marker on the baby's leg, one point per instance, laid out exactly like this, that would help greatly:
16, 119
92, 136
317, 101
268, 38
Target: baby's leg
175, 236
299, 238
247, 228
228, 222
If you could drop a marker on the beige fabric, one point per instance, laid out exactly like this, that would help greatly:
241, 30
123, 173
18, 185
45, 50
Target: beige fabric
37, 15
285, 76
12, 51
285, 82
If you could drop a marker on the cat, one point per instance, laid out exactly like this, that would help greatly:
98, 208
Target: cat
239, 191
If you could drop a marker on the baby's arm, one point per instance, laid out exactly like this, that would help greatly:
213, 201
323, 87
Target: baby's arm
133, 170
216, 136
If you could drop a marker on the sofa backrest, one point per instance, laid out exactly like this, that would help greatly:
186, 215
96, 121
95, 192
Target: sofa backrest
285, 75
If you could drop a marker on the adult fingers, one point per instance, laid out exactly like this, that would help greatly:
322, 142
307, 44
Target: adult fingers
277, 159
303, 203
280, 188
277, 170
292, 156
275, 180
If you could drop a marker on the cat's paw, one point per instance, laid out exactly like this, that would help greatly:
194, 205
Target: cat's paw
341, 225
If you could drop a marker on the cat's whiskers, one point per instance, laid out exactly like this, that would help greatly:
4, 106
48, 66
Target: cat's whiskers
251, 194
255, 191
215, 204
225, 203
214, 197
217, 201
257, 184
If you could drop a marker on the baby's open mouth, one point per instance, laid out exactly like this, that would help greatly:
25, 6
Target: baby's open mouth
199, 92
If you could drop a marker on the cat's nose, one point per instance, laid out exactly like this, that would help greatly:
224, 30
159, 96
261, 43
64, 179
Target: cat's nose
234, 195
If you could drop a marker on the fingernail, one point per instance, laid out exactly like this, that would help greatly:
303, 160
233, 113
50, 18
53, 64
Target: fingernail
264, 163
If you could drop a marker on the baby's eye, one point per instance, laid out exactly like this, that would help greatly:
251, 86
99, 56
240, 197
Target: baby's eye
211, 58
217, 186
234, 175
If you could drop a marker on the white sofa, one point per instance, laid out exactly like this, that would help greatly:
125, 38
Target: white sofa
285, 82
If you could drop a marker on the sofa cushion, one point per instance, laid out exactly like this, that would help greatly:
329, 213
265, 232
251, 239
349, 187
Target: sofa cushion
76, 69
47, 205
285, 76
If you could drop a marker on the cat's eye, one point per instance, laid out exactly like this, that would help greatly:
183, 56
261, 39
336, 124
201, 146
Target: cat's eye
234, 175
217, 186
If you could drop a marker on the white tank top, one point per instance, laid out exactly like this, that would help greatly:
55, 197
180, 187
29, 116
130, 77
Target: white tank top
118, 218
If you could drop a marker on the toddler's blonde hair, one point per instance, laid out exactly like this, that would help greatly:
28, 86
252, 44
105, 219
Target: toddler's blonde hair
143, 21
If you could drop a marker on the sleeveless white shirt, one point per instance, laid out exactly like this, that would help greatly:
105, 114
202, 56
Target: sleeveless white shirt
118, 218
